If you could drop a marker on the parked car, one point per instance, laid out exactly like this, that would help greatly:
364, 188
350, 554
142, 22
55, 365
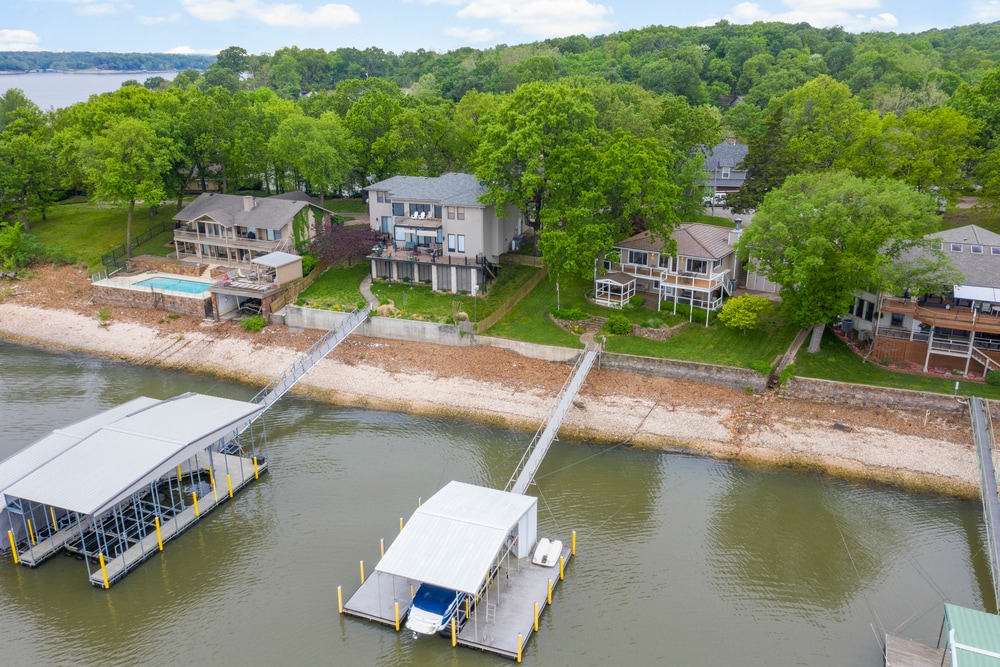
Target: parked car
718, 199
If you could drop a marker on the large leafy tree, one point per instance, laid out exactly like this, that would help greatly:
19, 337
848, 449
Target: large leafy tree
824, 237
27, 173
125, 164
316, 148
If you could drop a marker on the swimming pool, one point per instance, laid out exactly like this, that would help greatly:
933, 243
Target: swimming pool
174, 285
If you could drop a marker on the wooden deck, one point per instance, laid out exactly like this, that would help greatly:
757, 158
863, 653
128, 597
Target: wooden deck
492, 626
956, 317
240, 470
901, 652
36, 554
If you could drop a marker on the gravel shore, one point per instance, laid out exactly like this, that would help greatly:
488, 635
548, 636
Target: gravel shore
913, 450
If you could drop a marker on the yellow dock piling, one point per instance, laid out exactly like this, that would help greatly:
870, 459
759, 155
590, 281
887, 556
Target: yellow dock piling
211, 480
31, 532
397, 617
159, 535
340, 600
381, 547
454, 633
104, 570
400, 524
194, 496
520, 647
52, 513
536, 617
467, 607
573, 549
362, 572
256, 472
178, 474
13, 548
550, 592
562, 568
229, 482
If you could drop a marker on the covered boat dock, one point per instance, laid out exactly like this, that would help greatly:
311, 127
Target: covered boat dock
113, 488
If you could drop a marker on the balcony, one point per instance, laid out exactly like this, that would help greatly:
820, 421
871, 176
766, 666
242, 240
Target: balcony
946, 313
688, 281
240, 243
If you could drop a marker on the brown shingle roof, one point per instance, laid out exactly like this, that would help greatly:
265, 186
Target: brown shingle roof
694, 239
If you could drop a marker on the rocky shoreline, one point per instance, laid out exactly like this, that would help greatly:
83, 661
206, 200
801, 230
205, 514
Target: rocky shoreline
911, 450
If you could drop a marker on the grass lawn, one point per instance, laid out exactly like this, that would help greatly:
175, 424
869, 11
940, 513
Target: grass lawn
715, 344
529, 320
836, 361
336, 289
346, 205
81, 232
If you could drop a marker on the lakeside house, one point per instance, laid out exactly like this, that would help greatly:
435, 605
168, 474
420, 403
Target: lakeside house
723, 165
957, 328
235, 230
436, 231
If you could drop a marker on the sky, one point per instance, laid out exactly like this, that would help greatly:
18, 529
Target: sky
259, 26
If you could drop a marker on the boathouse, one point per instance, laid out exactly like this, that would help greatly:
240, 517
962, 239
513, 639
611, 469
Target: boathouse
113, 488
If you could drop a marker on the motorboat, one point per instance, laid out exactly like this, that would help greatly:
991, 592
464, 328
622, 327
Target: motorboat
431, 609
547, 552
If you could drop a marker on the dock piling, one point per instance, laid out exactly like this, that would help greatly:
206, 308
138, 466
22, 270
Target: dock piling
573, 549
397, 617
362, 572
536, 617
31, 532
13, 545
549, 598
520, 647
229, 482
562, 566
340, 600
159, 535
454, 633
104, 570
194, 497
381, 547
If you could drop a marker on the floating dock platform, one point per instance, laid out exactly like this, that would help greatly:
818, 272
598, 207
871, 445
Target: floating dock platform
900, 652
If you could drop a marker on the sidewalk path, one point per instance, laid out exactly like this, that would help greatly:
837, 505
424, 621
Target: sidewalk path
366, 290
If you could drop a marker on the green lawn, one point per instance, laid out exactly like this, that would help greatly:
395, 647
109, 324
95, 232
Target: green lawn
347, 205
81, 232
714, 344
336, 289
529, 320
836, 361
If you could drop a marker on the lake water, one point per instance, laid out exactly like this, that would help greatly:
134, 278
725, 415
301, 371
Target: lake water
682, 560
54, 90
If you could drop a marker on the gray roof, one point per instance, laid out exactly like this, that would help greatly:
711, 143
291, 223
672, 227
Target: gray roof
297, 195
726, 155
981, 270
277, 259
452, 189
452, 539
231, 210
126, 455
694, 239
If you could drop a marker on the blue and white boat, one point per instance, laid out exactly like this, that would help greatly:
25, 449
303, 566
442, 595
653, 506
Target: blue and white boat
432, 609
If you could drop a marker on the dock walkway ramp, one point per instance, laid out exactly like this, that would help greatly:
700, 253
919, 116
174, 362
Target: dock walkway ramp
984, 438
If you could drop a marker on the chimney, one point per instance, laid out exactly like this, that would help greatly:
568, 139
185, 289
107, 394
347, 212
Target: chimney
738, 223
734, 235
249, 203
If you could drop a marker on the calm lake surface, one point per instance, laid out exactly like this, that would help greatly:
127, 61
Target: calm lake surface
681, 560
61, 89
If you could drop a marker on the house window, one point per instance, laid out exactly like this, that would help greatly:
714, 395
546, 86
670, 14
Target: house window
201, 227
461, 242
451, 212
400, 234
608, 266
665, 261
460, 211
725, 172
437, 211
697, 266
274, 235
956, 247
897, 319
386, 224
420, 208
716, 264
382, 197
976, 250
869, 310
995, 250
637, 257
440, 235
397, 209
451, 243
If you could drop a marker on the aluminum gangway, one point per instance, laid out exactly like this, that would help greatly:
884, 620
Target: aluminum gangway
983, 434
546, 433
280, 385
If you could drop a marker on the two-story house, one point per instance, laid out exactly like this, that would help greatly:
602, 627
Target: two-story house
957, 329
436, 231
701, 273
234, 230
723, 166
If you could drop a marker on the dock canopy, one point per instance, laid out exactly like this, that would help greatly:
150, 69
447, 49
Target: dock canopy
127, 454
453, 539
973, 637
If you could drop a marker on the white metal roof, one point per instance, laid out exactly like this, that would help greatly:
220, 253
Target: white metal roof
43, 450
122, 457
277, 259
988, 294
452, 539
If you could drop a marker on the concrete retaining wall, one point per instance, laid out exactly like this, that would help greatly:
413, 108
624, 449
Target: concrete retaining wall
152, 301
827, 391
723, 376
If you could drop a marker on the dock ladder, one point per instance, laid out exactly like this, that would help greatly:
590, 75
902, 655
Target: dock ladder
984, 437
546, 433
280, 385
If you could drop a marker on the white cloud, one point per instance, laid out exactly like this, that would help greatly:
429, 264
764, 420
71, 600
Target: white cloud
158, 20
19, 40
542, 18
284, 15
94, 8
985, 11
473, 35
849, 14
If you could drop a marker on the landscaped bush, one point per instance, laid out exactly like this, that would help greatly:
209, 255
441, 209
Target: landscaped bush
993, 378
253, 323
618, 325
637, 301
308, 263
570, 314
761, 367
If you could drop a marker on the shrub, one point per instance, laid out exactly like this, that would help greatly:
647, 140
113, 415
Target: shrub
308, 263
253, 323
743, 312
570, 314
786, 374
104, 316
618, 325
17, 249
993, 378
761, 367
637, 301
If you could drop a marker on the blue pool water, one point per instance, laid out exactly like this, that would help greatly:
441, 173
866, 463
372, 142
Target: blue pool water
174, 285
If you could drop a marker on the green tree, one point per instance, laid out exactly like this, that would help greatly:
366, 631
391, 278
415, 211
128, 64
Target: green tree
825, 237
125, 164
317, 148
744, 312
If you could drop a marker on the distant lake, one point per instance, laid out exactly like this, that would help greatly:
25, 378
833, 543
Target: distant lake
61, 89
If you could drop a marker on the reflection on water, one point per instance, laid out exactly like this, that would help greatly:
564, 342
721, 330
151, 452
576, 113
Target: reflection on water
682, 560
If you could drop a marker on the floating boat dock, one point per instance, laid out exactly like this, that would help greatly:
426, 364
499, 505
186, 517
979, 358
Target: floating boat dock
972, 639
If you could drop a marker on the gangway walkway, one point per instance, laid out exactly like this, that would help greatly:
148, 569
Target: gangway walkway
279, 386
982, 428
539, 447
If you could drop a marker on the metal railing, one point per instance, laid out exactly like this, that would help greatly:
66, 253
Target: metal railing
279, 386
984, 436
